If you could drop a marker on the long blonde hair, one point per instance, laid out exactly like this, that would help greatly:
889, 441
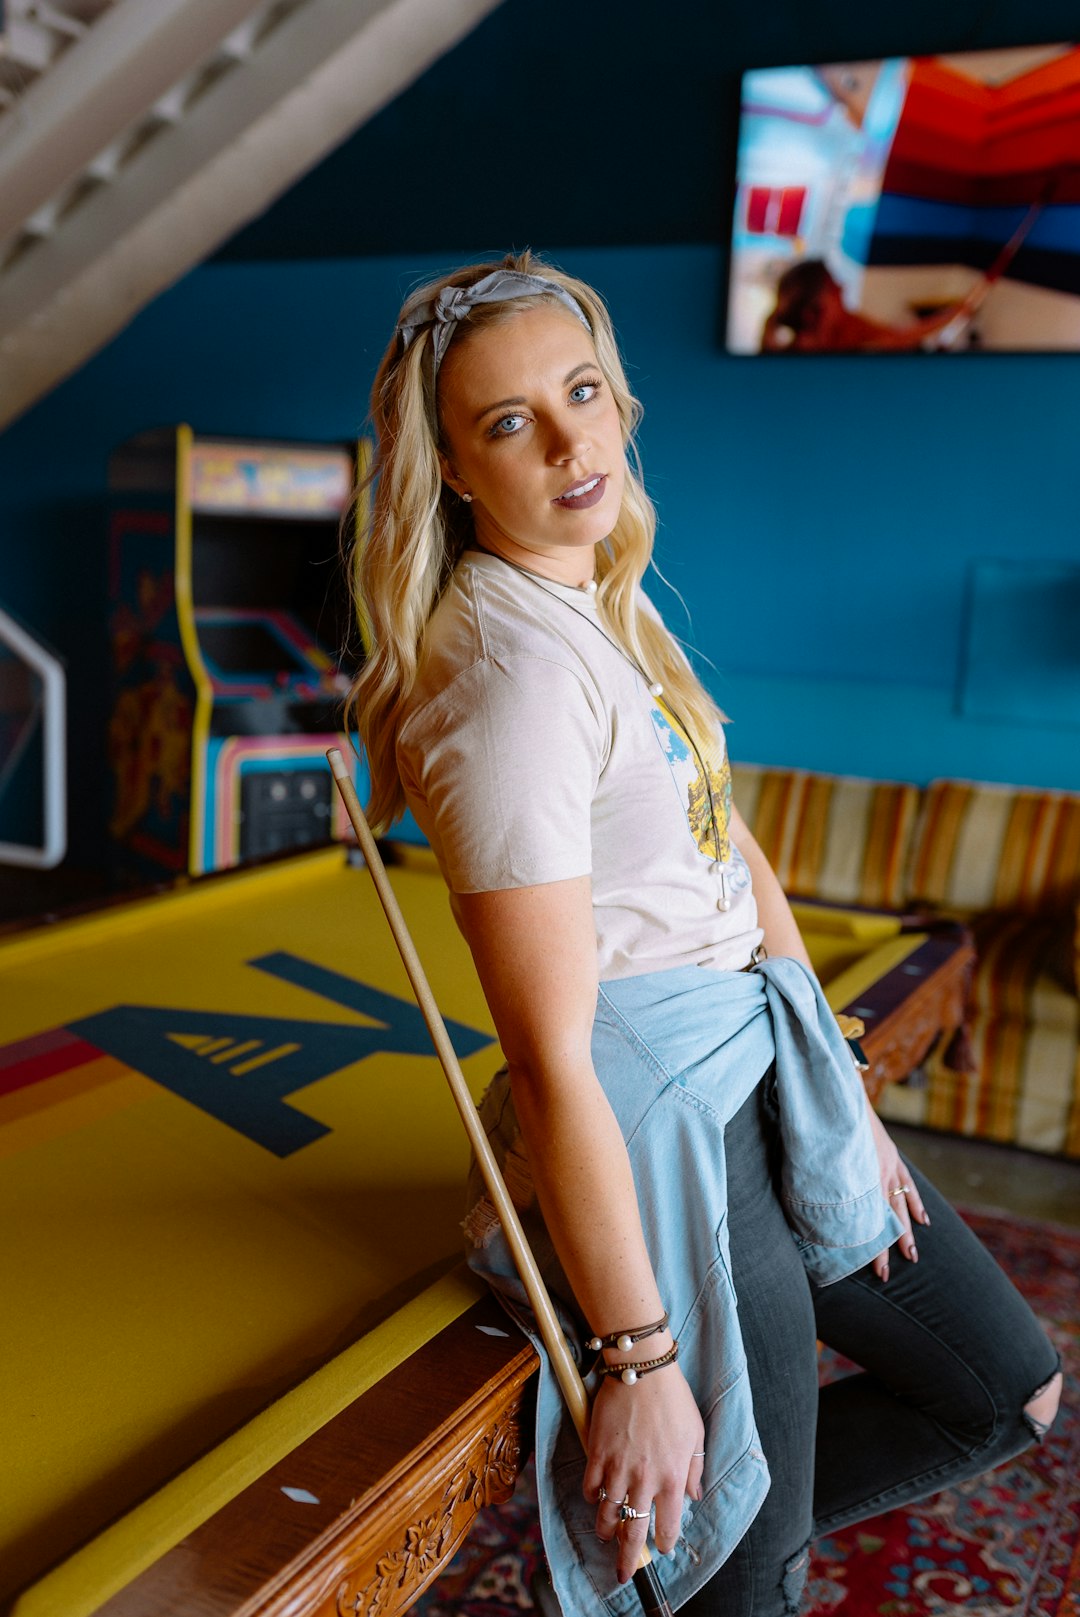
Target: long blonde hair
402, 561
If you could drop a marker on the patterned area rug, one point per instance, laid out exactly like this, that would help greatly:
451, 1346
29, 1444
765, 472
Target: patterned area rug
1007, 1545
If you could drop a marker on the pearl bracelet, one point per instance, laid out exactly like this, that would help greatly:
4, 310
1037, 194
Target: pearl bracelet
629, 1373
624, 1340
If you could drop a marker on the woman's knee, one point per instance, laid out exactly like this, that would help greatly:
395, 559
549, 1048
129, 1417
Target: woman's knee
1022, 1409
1029, 1384
1042, 1407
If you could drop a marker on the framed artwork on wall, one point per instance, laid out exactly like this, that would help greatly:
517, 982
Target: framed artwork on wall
916, 203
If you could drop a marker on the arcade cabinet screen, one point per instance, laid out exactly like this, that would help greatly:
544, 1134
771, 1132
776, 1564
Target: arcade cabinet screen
248, 647
919, 203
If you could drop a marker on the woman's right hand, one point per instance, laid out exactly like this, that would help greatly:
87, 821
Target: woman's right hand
645, 1447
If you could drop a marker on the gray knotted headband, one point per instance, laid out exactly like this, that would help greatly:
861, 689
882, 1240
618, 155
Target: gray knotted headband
454, 303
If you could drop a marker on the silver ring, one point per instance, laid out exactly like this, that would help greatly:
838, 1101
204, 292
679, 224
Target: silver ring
627, 1513
901, 1190
602, 1492
697, 1454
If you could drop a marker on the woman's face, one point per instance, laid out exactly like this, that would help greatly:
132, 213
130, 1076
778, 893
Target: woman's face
533, 434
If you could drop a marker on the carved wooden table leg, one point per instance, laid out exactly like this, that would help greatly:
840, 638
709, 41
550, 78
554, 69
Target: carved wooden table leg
482, 1467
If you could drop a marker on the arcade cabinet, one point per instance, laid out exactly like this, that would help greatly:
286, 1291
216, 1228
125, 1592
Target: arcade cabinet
229, 609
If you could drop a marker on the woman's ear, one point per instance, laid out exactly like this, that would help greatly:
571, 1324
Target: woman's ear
451, 478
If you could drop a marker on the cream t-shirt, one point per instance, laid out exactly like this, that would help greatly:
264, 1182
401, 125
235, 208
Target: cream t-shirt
532, 751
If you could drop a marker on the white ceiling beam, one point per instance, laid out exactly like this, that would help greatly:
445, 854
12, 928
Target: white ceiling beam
106, 165
43, 222
29, 45
311, 82
131, 55
61, 22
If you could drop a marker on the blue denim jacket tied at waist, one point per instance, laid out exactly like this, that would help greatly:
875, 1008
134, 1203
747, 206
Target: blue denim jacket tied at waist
677, 1053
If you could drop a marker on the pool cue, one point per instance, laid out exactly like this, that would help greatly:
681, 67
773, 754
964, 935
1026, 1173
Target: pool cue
974, 301
650, 1591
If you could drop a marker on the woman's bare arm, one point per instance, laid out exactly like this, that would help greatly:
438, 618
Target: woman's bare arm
782, 935
535, 952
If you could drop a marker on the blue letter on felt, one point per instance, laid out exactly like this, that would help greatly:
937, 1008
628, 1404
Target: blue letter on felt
241, 1069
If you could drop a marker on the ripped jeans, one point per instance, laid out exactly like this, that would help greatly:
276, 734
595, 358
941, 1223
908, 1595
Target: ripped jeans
950, 1355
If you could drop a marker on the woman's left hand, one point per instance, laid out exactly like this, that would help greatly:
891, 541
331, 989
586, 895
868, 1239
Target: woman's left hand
900, 1192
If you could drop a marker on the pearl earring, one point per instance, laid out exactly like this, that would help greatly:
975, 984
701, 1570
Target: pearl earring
467, 498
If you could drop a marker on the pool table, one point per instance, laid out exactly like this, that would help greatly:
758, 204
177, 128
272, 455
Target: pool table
244, 1369
230, 1198
909, 988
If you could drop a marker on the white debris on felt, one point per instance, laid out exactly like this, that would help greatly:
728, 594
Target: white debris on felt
492, 1330
300, 1496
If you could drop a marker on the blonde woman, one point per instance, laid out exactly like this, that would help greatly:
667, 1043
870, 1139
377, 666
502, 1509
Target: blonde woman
679, 1118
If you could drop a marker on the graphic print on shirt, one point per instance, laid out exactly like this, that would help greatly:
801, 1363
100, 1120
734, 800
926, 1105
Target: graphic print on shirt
700, 797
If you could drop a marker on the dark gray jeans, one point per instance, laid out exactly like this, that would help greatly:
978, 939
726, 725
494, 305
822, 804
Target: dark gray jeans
950, 1354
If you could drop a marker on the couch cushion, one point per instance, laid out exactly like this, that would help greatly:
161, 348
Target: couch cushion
997, 848
831, 837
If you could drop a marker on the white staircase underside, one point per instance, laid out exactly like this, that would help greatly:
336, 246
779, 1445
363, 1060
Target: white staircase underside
138, 135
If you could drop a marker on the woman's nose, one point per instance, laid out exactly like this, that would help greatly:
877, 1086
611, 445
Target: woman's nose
567, 442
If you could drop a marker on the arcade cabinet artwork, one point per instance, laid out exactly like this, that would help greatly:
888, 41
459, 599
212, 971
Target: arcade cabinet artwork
228, 605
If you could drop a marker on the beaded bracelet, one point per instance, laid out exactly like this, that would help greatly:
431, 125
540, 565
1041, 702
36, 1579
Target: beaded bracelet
624, 1340
629, 1373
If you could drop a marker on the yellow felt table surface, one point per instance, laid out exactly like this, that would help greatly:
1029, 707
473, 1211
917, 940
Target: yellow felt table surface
850, 949
86, 1579
165, 1277
863, 928
182, 1305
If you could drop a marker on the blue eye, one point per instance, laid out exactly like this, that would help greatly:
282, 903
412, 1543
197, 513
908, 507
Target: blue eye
582, 392
508, 425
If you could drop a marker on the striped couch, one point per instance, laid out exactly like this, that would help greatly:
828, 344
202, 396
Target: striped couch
1005, 860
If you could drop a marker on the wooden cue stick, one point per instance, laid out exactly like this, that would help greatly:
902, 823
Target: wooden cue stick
566, 1371
974, 301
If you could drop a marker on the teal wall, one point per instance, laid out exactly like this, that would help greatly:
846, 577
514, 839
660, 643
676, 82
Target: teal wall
822, 517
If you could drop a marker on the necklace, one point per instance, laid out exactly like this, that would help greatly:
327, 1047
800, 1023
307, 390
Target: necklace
654, 686
655, 689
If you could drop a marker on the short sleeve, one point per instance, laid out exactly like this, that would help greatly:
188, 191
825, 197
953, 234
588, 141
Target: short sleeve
501, 768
